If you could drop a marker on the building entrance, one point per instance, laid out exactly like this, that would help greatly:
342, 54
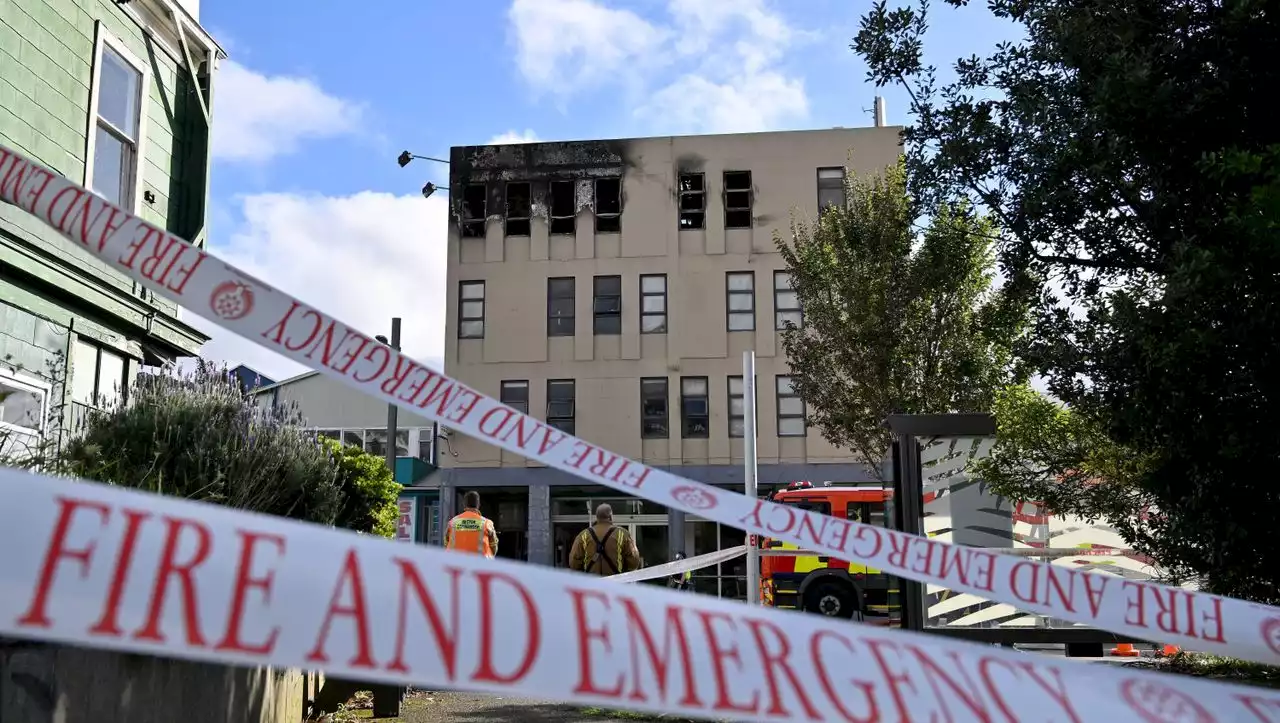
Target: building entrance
650, 537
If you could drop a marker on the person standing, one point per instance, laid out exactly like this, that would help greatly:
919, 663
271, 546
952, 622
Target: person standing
603, 548
470, 531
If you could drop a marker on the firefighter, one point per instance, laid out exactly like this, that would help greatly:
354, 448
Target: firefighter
680, 580
604, 549
470, 531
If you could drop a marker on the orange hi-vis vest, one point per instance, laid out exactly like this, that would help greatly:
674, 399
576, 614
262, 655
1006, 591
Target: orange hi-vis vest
467, 532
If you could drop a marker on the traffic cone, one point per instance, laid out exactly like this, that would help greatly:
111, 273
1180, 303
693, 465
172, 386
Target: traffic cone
1125, 650
1169, 651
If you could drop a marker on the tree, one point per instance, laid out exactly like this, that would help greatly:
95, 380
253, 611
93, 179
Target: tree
1126, 150
369, 490
895, 321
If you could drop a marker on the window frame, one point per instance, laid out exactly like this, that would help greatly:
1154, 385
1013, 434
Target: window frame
558, 421
665, 304
103, 39
687, 420
612, 317
664, 418
749, 209
701, 194
785, 416
572, 316
462, 301
474, 225
728, 386
24, 383
523, 224
778, 311
730, 292
831, 183
612, 221
98, 350
514, 384
556, 225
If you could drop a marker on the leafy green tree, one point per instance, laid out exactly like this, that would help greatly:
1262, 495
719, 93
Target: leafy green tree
369, 490
895, 321
1127, 151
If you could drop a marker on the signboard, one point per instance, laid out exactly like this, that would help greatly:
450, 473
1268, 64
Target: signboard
407, 524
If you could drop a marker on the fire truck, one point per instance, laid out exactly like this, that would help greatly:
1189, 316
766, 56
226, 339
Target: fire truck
819, 584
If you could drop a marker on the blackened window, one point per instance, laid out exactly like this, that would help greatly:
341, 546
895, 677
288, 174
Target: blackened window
693, 200
474, 202
740, 288
608, 305
563, 207
515, 394
560, 306
518, 208
653, 304
608, 205
830, 188
737, 199
695, 408
471, 310
653, 408
560, 404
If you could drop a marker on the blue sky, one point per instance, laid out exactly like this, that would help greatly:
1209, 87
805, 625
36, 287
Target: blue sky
317, 100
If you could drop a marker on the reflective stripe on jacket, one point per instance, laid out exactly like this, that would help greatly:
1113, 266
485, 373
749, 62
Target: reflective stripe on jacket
470, 531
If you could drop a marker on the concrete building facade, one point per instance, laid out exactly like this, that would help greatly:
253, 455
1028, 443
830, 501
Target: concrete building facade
114, 96
611, 287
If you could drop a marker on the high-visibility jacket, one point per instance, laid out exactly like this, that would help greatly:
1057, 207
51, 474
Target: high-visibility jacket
470, 531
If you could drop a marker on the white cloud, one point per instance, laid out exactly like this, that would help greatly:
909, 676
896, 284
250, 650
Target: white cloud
710, 68
513, 136
258, 117
363, 258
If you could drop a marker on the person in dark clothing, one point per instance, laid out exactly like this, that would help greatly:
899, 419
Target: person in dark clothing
603, 548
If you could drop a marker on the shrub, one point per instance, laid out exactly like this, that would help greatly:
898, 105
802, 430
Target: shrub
369, 491
197, 437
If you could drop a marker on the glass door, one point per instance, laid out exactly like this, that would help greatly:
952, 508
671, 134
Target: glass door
651, 542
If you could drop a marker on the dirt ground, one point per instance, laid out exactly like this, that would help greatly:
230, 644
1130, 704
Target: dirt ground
430, 707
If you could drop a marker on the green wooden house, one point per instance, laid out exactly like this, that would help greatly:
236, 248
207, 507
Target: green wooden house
114, 95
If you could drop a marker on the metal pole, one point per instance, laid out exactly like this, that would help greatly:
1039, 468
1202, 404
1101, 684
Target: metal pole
749, 465
392, 422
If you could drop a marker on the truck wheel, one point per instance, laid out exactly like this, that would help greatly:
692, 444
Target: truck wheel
833, 599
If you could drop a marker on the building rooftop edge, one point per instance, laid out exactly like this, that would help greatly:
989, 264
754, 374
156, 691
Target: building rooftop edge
687, 135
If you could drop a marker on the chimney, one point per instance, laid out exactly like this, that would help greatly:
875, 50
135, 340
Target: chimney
880, 112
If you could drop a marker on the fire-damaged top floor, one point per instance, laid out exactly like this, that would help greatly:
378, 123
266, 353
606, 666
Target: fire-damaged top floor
558, 181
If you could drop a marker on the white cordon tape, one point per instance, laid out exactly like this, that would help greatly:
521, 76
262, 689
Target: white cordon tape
237, 301
112, 568
677, 567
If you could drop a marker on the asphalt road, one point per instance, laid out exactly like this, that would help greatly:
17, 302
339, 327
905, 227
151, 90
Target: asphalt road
474, 708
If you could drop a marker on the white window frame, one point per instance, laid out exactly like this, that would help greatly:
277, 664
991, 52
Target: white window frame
25, 382
103, 38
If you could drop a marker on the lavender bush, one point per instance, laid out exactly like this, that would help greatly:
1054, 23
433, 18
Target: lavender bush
196, 436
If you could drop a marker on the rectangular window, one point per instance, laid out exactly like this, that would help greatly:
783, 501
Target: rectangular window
653, 303
791, 422
515, 394
426, 444
474, 210
695, 408
653, 408
738, 409
693, 200
560, 306
830, 188
737, 199
23, 413
519, 204
375, 442
608, 305
353, 438
740, 287
97, 376
564, 211
786, 303
608, 205
560, 404
471, 310
119, 98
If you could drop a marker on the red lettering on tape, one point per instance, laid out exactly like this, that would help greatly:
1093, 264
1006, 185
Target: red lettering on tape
350, 576
170, 568
37, 615
246, 581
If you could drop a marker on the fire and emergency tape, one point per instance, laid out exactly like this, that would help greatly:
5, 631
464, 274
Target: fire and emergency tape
227, 296
677, 567
107, 567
